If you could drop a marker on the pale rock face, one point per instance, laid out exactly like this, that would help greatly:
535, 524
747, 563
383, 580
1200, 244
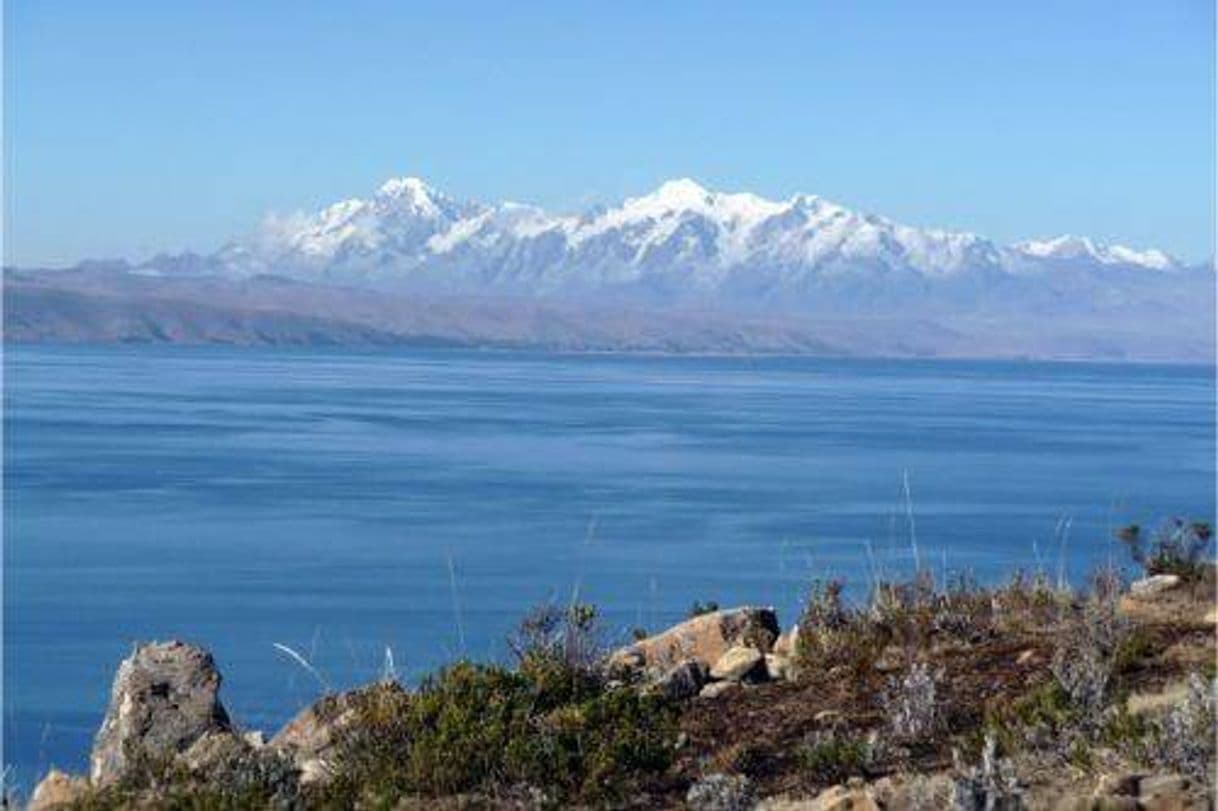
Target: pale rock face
739, 663
310, 740
165, 698
705, 638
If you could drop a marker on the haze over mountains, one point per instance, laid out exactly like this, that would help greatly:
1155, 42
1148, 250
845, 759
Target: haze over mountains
683, 268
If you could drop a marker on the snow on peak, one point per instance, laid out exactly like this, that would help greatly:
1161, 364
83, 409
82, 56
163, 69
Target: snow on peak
681, 192
1071, 247
708, 235
397, 186
414, 194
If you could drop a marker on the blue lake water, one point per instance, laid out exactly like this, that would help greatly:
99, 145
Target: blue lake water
342, 502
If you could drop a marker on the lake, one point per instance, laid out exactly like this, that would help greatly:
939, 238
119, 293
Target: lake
343, 502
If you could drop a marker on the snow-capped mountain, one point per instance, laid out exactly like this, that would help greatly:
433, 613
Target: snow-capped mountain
682, 268
680, 239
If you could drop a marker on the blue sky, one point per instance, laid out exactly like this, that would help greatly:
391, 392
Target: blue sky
136, 127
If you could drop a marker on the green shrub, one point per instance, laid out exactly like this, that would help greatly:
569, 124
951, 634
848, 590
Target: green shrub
486, 729
830, 757
833, 632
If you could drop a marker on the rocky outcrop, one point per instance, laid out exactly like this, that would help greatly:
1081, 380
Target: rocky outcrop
706, 655
165, 698
704, 638
311, 739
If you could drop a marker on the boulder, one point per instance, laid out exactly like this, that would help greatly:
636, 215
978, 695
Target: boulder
1148, 588
683, 681
165, 698
704, 638
739, 663
58, 791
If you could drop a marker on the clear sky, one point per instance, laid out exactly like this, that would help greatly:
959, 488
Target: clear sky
135, 127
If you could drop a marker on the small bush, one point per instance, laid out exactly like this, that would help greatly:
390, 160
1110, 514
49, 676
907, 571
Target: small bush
485, 729
1088, 646
1177, 547
571, 635
1027, 601
831, 757
699, 608
833, 632
1135, 648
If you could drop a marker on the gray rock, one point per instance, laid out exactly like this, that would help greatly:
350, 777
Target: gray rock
231, 765
683, 681
165, 698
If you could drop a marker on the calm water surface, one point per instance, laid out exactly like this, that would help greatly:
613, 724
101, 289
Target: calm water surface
343, 502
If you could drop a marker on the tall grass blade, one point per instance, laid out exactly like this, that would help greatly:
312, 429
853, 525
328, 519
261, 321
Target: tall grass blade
304, 663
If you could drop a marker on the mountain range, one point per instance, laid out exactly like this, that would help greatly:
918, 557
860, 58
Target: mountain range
683, 268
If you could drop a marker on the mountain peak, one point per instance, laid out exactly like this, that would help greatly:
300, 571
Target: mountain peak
408, 227
682, 190
405, 186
